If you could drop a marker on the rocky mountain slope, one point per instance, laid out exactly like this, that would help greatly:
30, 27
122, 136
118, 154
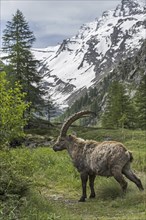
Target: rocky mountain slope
129, 71
85, 59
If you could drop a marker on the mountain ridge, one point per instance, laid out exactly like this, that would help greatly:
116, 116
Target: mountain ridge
82, 61
128, 72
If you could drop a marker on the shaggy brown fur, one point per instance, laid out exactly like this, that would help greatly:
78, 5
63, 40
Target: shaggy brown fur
91, 158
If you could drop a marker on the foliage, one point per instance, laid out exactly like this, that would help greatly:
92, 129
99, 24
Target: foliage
119, 111
12, 108
90, 100
141, 103
22, 66
129, 72
17, 40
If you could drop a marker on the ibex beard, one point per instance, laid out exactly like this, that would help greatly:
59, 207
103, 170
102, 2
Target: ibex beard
92, 158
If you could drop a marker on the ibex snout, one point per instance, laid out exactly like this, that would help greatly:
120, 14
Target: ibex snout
60, 144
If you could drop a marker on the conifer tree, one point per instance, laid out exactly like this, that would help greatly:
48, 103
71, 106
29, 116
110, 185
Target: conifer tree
141, 103
17, 42
118, 112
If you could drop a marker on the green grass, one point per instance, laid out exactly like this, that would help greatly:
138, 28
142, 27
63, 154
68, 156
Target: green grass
39, 184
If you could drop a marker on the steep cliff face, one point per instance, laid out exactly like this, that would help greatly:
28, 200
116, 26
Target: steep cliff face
131, 69
85, 59
129, 72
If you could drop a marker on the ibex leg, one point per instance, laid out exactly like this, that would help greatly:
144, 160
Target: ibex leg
131, 176
91, 184
84, 179
119, 178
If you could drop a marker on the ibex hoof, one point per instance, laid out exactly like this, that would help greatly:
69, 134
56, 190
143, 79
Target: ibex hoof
92, 196
82, 199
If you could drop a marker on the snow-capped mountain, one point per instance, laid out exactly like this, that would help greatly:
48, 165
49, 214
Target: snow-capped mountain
83, 60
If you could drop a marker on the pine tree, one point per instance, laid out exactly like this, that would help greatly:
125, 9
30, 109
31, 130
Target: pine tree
95, 106
32, 82
17, 42
141, 103
118, 112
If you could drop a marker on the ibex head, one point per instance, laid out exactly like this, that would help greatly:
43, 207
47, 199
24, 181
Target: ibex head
63, 140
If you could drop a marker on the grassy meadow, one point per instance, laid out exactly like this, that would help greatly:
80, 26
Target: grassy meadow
39, 184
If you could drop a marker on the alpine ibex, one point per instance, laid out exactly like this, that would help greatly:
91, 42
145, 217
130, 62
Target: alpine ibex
91, 158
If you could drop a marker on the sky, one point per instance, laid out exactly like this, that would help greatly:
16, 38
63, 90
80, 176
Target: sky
54, 21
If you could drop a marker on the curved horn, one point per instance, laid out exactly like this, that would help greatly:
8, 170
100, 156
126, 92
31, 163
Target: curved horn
71, 120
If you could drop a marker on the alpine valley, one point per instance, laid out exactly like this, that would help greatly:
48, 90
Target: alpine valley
84, 61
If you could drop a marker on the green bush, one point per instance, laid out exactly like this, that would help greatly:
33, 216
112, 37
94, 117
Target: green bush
12, 109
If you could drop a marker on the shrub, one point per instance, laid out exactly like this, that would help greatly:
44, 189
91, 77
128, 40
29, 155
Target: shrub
12, 109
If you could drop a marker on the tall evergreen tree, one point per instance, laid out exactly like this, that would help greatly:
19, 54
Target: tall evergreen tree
119, 109
17, 42
141, 103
